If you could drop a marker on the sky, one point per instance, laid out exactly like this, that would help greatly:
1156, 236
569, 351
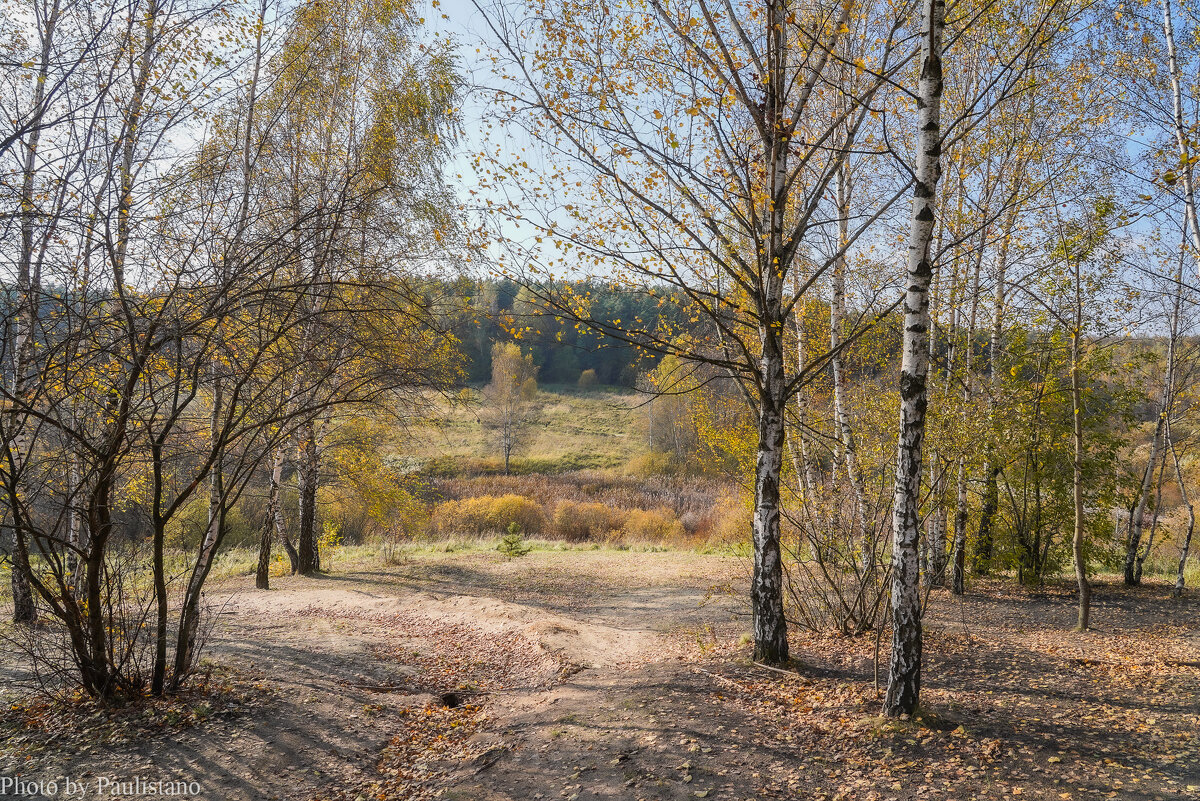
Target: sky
463, 23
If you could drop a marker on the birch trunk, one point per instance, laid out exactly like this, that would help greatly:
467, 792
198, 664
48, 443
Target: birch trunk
1145, 552
766, 591
766, 588
29, 300
308, 478
960, 497
74, 523
1083, 619
506, 440
216, 481
292, 554
933, 554
958, 579
904, 679
937, 549
1181, 131
158, 676
837, 311
187, 637
1133, 563
802, 462
1187, 502
1137, 515
272, 524
991, 472
959, 555
24, 608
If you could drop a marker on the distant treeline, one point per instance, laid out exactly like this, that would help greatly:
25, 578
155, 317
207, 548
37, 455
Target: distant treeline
491, 310
560, 349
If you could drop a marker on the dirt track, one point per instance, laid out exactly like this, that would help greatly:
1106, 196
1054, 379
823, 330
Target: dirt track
619, 675
332, 653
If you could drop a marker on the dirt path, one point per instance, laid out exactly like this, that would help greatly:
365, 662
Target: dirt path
615, 675
339, 659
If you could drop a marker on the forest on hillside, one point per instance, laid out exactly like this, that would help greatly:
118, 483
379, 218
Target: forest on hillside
794, 372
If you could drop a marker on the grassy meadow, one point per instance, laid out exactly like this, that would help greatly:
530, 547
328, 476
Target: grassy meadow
566, 429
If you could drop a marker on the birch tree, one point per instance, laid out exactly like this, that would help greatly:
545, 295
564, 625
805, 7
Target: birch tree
1156, 53
1083, 258
364, 111
691, 151
1019, 45
904, 668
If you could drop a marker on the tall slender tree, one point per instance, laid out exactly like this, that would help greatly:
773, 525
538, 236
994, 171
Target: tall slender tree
904, 670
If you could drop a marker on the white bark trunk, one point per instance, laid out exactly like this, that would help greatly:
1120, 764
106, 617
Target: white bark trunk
992, 469
1181, 130
968, 361
308, 469
837, 312
1187, 502
272, 525
1145, 552
802, 461
1138, 515
959, 550
766, 589
1083, 620
904, 680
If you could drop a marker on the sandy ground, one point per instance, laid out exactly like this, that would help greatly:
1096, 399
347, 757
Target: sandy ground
620, 675
326, 650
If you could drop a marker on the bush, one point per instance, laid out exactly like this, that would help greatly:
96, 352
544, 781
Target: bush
653, 463
587, 379
488, 514
653, 526
468, 516
525, 512
529, 389
365, 496
186, 530
729, 523
580, 522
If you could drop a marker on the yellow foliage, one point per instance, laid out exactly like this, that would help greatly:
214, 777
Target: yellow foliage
730, 522
488, 514
579, 522
653, 463
366, 497
653, 526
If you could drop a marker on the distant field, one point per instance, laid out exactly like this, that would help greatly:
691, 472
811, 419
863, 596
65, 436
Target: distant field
568, 429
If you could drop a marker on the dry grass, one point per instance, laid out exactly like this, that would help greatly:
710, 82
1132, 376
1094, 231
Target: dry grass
570, 430
684, 496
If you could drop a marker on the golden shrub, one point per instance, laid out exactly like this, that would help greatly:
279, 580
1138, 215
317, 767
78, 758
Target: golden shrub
729, 523
488, 514
525, 512
580, 522
653, 526
653, 463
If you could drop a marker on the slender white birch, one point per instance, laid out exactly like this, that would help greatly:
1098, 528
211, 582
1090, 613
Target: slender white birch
904, 679
1181, 131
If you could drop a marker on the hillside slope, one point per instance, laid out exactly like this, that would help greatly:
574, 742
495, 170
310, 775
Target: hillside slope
567, 429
